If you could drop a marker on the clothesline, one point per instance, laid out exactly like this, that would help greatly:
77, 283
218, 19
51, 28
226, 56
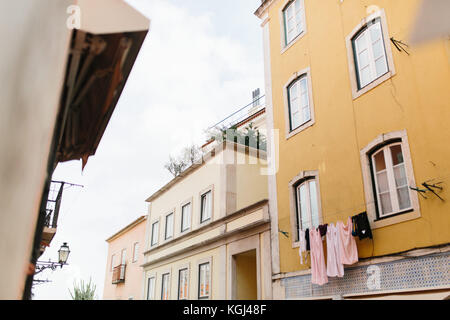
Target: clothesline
341, 246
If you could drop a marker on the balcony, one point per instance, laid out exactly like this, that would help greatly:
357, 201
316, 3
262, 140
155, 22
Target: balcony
239, 117
119, 274
52, 213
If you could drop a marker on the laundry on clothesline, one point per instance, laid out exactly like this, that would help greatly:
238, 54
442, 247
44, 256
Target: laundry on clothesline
340, 243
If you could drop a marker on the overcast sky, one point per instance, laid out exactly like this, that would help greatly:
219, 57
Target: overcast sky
199, 63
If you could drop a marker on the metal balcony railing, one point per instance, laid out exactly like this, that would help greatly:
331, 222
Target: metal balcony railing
53, 204
240, 115
119, 274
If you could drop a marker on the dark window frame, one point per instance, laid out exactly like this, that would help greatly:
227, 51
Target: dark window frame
355, 59
179, 282
153, 232
202, 208
199, 280
374, 150
288, 88
165, 227
182, 216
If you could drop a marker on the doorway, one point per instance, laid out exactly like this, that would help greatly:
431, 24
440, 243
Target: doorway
245, 285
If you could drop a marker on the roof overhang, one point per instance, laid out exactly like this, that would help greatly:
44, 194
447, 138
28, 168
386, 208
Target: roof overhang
127, 228
102, 54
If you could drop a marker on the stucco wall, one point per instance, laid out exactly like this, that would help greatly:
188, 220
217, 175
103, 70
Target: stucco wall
415, 99
216, 268
132, 287
34, 52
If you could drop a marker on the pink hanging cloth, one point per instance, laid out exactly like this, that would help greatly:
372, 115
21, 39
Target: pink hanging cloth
318, 268
335, 268
347, 244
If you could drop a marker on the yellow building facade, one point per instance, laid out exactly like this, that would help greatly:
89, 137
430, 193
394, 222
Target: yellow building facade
360, 124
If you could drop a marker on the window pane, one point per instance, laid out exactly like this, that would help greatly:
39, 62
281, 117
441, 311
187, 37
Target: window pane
298, 16
204, 280
400, 176
306, 115
365, 76
403, 198
183, 284
124, 256
380, 164
155, 233
381, 66
304, 217
378, 49
314, 204
363, 58
151, 289
304, 100
165, 287
386, 205
383, 184
294, 105
290, 11
169, 226
375, 32
293, 91
397, 155
299, 103
361, 42
206, 206
185, 217
295, 120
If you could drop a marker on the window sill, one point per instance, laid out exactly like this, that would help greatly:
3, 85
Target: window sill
375, 83
293, 41
394, 215
304, 126
404, 216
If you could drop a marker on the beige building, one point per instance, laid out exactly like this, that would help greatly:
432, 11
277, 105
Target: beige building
123, 276
208, 230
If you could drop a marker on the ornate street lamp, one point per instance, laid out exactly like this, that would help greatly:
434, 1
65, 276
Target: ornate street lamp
63, 255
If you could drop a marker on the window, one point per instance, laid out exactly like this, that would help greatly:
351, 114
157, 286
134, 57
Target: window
204, 280
183, 283
391, 181
304, 203
135, 251
293, 20
185, 217
165, 286
298, 102
151, 288
206, 207
169, 226
124, 256
387, 172
307, 204
155, 230
113, 262
370, 54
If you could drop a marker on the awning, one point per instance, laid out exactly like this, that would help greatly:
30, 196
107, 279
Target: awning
102, 55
